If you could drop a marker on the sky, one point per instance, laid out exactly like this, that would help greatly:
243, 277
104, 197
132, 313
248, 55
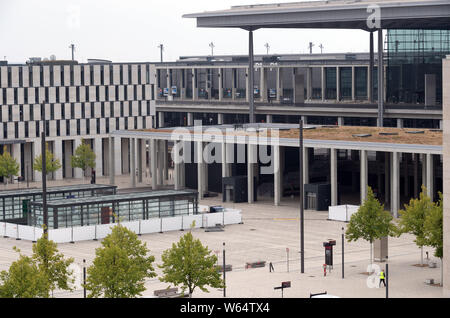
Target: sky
132, 30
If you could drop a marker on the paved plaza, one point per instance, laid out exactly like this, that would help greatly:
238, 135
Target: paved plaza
266, 233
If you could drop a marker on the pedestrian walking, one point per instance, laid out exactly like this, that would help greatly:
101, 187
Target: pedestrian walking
382, 278
271, 269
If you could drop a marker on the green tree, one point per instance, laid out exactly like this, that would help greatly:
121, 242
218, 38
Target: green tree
53, 265
23, 280
9, 166
371, 222
84, 157
434, 230
120, 267
189, 264
412, 219
52, 164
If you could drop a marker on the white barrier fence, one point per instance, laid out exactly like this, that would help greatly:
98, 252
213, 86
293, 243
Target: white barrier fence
97, 232
342, 212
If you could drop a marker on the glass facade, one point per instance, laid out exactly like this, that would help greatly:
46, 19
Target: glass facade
345, 76
330, 83
14, 204
412, 54
114, 208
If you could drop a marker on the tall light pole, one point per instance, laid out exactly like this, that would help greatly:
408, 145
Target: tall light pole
72, 47
311, 45
44, 168
161, 48
212, 46
321, 48
267, 46
343, 237
302, 212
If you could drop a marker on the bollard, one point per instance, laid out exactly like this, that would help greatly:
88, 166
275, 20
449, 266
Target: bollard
139, 228
182, 223
71, 236
324, 270
95, 233
17, 235
160, 226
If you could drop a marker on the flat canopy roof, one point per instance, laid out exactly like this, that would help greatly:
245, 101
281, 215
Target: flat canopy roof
331, 14
118, 198
331, 137
52, 190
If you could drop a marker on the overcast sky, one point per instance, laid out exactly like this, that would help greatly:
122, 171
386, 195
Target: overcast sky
131, 30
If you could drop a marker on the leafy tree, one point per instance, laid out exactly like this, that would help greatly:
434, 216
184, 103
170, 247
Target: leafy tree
189, 264
371, 222
120, 266
84, 157
52, 264
23, 280
434, 230
8, 165
52, 164
412, 219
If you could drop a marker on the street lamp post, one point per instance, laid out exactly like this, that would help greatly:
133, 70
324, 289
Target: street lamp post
302, 224
44, 169
224, 286
343, 236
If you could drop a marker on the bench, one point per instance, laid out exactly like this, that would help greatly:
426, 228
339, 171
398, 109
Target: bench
228, 268
168, 292
255, 264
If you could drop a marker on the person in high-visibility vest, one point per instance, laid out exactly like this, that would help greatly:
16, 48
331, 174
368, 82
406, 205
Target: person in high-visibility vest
382, 278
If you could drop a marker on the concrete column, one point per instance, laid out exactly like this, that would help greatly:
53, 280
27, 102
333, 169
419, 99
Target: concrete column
248, 86
161, 122
251, 161
58, 153
142, 161
98, 149
369, 85
416, 175
323, 83
299, 89
424, 170
364, 176
263, 85
309, 83
305, 165
37, 149
190, 119
430, 176
233, 83
277, 175
220, 118
405, 173
154, 163
353, 84
279, 83
112, 158
177, 166
340, 121
399, 123
165, 160
16, 154
78, 173
380, 79
160, 175
333, 177
194, 85
183, 83
370, 70
305, 120
395, 184
220, 84
269, 119
200, 170
133, 162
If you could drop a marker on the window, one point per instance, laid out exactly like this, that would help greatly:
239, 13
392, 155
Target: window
92, 110
67, 94
72, 110
97, 93
98, 126
78, 127
117, 93
111, 110
117, 123
41, 74
83, 111
125, 88
67, 127
62, 75
57, 94
31, 112
46, 94
10, 113
135, 122
38, 129
16, 130
78, 93
130, 77
30, 76
5, 131
103, 110
52, 112
82, 75
36, 95
121, 74
63, 111
107, 126
71, 75
91, 72
20, 76
87, 94
139, 74
88, 127
9, 77
25, 95
126, 123
15, 96
121, 109
107, 93
58, 128
47, 128
21, 112
102, 75
27, 132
